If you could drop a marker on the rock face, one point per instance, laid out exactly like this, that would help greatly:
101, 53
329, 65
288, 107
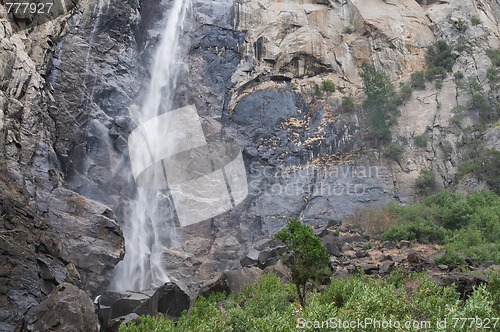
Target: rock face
67, 308
170, 300
51, 231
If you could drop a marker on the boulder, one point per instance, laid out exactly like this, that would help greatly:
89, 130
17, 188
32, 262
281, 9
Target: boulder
230, 281
281, 270
171, 299
66, 309
464, 282
250, 259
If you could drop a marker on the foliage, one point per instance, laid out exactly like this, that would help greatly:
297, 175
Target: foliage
440, 58
426, 182
348, 104
406, 92
460, 24
488, 111
318, 92
417, 79
307, 256
264, 307
328, 86
380, 104
394, 151
494, 55
475, 21
439, 83
467, 225
348, 30
422, 140
484, 166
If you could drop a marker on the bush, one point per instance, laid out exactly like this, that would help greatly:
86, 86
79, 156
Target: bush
406, 92
394, 151
484, 166
475, 21
348, 104
461, 25
439, 83
494, 55
317, 91
440, 58
426, 182
422, 140
264, 307
348, 30
307, 256
380, 103
468, 225
459, 75
328, 86
417, 79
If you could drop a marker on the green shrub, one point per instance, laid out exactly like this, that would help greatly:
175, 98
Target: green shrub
461, 25
318, 92
422, 140
459, 75
348, 30
484, 166
421, 230
440, 58
380, 104
406, 92
468, 225
394, 151
348, 104
328, 86
426, 182
439, 83
494, 55
475, 21
264, 307
456, 119
307, 256
417, 79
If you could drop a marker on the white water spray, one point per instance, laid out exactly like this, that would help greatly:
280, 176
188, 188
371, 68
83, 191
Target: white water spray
149, 226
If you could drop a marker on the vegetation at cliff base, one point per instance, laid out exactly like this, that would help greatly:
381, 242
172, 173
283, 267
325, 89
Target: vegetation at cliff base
306, 256
414, 301
467, 225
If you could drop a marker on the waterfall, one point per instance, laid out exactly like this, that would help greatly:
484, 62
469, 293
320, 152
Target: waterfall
149, 227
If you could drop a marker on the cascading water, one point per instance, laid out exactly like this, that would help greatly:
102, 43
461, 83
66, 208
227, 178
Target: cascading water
150, 225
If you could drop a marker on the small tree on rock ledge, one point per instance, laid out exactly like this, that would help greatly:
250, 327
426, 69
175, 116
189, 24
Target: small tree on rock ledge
307, 257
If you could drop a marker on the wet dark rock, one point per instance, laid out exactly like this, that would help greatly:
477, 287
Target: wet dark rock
389, 245
115, 323
230, 281
367, 268
356, 239
333, 245
250, 259
464, 282
66, 309
281, 270
171, 299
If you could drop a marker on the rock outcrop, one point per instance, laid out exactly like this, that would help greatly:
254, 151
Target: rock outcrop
66, 309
